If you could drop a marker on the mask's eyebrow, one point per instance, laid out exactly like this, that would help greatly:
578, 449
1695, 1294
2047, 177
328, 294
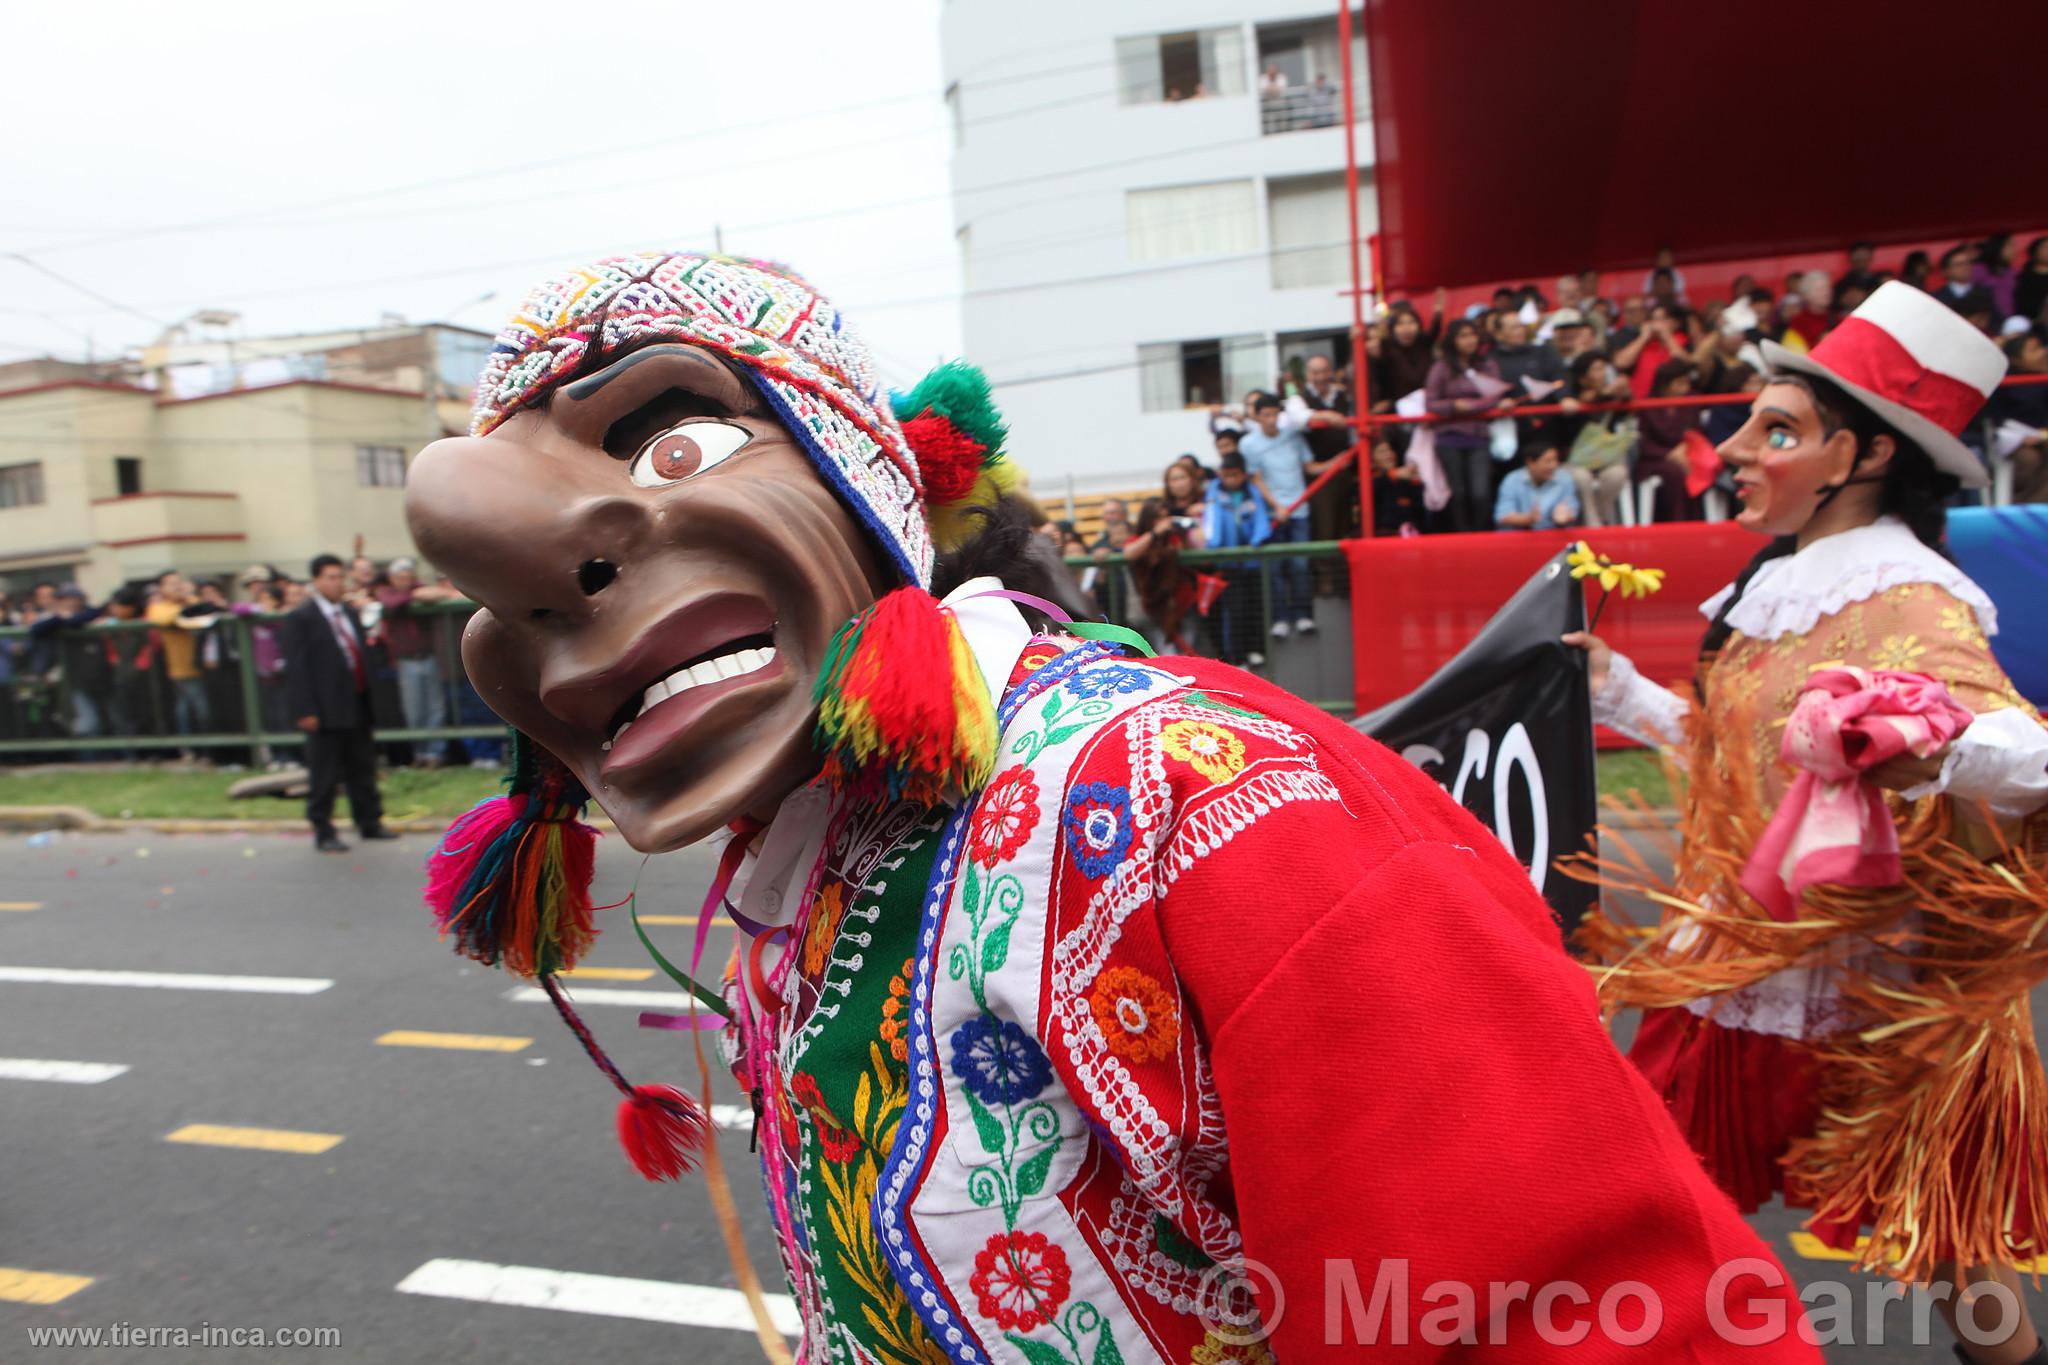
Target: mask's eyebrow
718, 384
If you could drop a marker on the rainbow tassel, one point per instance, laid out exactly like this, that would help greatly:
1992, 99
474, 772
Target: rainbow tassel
510, 880
902, 707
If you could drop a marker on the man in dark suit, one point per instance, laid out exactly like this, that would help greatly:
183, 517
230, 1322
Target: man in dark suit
327, 681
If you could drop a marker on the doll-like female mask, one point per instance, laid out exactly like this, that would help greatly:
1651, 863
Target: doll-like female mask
659, 569
1785, 462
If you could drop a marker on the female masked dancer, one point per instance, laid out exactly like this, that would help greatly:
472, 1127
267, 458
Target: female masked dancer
1861, 1045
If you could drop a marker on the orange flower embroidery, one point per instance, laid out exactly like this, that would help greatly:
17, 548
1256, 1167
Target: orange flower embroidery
896, 1012
1210, 749
1136, 1014
823, 929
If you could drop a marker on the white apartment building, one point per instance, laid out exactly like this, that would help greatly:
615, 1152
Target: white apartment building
1149, 198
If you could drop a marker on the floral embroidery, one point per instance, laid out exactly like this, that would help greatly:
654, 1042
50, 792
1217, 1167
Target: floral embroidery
1109, 680
1098, 826
1136, 1014
1007, 815
1020, 1280
1210, 749
803, 1090
1216, 1350
1176, 1248
896, 1011
1961, 622
823, 929
998, 1061
1898, 652
838, 1144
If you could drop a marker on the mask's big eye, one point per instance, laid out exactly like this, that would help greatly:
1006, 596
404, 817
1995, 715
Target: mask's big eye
1781, 438
685, 449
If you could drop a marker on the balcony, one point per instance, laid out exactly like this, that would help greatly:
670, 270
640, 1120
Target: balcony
150, 529
1301, 76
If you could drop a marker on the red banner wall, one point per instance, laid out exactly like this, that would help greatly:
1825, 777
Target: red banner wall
1415, 600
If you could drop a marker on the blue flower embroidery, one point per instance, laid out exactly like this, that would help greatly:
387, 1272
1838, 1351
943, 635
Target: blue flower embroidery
999, 1062
1108, 681
1098, 825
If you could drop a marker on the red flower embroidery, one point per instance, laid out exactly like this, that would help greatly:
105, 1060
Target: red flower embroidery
803, 1088
1008, 814
839, 1144
1020, 1280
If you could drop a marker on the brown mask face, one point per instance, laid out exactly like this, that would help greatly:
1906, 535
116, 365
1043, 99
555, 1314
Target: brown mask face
660, 569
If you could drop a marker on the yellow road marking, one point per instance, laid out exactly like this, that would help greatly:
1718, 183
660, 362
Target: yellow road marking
668, 919
258, 1139
609, 974
1814, 1249
37, 1286
467, 1042
36, 905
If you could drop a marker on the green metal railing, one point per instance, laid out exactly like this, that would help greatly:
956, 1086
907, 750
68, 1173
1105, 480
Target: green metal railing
39, 677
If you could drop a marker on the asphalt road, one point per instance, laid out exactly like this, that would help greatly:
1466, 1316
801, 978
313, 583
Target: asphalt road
500, 1159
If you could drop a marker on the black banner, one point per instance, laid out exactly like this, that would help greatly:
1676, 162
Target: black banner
1507, 727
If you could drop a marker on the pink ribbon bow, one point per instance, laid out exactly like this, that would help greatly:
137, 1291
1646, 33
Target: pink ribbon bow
1833, 825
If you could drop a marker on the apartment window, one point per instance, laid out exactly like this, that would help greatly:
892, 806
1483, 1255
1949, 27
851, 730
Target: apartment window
127, 475
1179, 221
1301, 76
1193, 374
21, 485
1180, 66
1311, 231
380, 466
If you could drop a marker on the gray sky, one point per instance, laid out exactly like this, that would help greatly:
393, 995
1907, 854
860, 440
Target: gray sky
315, 166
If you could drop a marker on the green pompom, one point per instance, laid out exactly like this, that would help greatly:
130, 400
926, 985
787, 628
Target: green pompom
958, 392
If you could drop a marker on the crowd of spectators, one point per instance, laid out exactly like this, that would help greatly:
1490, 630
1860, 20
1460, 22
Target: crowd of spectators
164, 658
1525, 436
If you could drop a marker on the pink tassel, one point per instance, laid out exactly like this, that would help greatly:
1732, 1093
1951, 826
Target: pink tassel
461, 848
662, 1130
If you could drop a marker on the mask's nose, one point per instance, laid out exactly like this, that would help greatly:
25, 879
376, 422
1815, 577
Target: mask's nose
507, 524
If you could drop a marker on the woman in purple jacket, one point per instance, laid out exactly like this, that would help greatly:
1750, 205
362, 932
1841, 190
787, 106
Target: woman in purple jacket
1453, 391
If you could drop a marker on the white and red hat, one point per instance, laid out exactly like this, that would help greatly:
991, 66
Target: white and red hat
1914, 362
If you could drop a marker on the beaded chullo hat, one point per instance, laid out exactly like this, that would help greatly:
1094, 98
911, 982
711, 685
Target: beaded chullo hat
902, 708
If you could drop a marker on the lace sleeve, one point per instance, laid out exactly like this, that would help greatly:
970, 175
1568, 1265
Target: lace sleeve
1637, 707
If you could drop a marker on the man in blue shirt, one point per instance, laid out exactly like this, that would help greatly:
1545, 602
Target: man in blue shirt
1534, 497
1277, 454
1234, 514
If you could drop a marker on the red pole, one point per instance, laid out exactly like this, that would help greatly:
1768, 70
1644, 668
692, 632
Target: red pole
1361, 369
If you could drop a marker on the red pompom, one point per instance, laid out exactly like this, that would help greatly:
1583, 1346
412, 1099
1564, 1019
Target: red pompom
662, 1130
948, 458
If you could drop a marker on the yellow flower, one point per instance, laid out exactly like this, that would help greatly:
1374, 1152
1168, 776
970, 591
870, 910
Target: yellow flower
1640, 582
1961, 622
1210, 749
1632, 581
1219, 1350
1583, 560
1898, 652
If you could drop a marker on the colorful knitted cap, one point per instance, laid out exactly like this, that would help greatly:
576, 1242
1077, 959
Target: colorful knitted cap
785, 337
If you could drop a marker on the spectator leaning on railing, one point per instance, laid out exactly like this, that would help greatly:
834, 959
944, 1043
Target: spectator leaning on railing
409, 636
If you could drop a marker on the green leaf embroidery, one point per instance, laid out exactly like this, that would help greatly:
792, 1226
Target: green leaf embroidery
1031, 1175
1037, 1352
1052, 707
970, 894
1064, 733
987, 1125
1106, 1352
996, 950
1175, 1247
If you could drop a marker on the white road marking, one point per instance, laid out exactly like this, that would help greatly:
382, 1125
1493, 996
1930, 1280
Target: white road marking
646, 1000
611, 1296
172, 981
78, 1073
